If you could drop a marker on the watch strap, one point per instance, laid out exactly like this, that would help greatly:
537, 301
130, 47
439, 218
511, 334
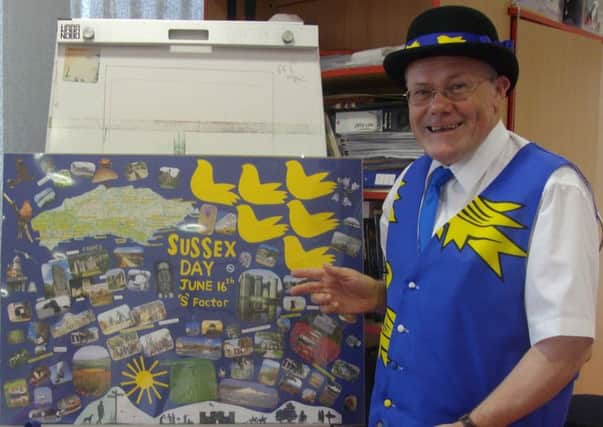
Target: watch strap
466, 421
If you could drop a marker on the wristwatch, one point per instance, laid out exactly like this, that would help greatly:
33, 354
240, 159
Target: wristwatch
466, 421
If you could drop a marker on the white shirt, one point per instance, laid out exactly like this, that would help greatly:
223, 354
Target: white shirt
562, 272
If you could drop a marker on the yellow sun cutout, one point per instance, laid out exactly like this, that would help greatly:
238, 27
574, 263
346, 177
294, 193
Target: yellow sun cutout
477, 225
143, 380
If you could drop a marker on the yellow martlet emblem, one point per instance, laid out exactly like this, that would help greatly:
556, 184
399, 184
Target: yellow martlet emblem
444, 39
477, 226
392, 211
389, 274
389, 321
413, 45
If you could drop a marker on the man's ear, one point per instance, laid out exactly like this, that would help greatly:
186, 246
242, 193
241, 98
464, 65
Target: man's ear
502, 84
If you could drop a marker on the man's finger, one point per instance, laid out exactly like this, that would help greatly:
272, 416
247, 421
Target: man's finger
321, 298
308, 273
339, 273
330, 308
306, 288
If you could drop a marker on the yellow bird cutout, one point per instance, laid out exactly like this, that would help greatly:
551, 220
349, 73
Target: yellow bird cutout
206, 190
307, 187
297, 257
255, 192
309, 225
254, 230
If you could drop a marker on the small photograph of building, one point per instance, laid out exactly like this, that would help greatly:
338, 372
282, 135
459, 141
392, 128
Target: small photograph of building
259, 293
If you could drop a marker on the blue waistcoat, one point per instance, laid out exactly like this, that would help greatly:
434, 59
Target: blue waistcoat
456, 325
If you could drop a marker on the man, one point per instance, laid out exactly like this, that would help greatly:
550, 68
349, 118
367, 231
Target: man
491, 246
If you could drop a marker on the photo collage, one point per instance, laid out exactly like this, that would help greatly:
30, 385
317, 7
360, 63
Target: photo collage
156, 289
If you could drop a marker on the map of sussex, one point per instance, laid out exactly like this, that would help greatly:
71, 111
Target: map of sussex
128, 212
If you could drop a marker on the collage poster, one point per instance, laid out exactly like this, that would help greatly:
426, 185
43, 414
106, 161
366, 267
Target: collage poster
155, 290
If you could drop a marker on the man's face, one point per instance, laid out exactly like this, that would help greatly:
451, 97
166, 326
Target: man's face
449, 130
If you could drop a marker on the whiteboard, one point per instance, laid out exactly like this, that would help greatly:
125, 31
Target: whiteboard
184, 87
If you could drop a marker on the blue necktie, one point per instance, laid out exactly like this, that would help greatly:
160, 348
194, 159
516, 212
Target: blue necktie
439, 177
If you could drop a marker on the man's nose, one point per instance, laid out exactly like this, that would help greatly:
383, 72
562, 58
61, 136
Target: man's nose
438, 99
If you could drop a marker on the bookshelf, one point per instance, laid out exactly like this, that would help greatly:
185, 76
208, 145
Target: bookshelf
361, 85
371, 79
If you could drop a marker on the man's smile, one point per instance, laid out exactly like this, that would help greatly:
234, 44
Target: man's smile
443, 128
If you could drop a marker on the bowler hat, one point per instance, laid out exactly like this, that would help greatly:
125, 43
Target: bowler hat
453, 31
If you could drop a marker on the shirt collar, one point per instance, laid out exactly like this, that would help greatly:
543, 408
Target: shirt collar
469, 170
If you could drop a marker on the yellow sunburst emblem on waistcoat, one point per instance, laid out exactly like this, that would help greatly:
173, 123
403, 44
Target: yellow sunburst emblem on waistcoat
477, 226
392, 211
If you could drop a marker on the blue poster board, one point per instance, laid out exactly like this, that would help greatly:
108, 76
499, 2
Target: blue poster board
154, 290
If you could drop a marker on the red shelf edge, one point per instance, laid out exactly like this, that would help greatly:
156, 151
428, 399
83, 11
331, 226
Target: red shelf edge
539, 19
355, 71
374, 194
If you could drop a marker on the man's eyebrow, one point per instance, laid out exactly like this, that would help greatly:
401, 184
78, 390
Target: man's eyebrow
448, 78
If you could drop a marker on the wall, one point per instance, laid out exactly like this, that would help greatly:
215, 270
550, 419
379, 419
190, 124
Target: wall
589, 381
28, 44
352, 24
215, 9
218, 10
554, 106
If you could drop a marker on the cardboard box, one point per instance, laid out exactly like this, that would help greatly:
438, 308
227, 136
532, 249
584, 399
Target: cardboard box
591, 16
573, 12
552, 9
583, 14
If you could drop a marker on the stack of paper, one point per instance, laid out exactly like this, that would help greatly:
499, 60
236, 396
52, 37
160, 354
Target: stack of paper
401, 145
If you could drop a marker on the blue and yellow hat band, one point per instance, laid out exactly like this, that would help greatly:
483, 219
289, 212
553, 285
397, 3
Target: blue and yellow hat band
438, 39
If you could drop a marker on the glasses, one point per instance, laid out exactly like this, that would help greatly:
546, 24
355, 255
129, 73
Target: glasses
457, 91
